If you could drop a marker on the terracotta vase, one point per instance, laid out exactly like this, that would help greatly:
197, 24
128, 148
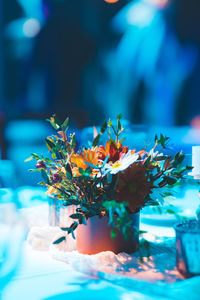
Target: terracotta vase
95, 237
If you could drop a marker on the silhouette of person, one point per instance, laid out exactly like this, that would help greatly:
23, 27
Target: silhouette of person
148, 68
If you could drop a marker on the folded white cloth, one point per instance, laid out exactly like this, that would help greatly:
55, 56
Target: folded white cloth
156, 277
40, 238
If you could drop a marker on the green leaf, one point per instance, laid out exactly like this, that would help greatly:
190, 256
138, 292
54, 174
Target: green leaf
105, 161
73, 141
84, 209
74, 202
178, 159
69, 171
57, 121
96, 140
162, 183
91, 165
76, 216
65, 229
104, 127
170, 211
142, 231
121, 140
162, 141
71, 228
35, 156
189, 168
160, 158
35, 170
170, 180
50, 144
65, 123
29, 159
81, 171
83, 221
73, 235
53, 124
41, 183
53, 155
45, 176
119, 117
147, 161
119, 126
167, 163
74, 225
60, 240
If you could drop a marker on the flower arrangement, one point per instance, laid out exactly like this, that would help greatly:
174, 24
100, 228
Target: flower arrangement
107, 180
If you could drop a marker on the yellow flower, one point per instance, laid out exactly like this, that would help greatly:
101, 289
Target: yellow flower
51, 190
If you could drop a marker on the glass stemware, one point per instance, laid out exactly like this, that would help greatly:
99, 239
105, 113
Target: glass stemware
12, 234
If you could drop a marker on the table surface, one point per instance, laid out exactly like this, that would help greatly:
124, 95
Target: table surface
42, 277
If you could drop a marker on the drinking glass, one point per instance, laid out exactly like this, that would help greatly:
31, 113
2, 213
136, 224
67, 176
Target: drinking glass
12, 234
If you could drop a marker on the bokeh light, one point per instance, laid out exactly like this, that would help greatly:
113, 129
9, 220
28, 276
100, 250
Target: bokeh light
31, 27
111, 1
159, 3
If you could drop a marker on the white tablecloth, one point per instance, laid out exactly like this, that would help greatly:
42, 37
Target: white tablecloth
43, 277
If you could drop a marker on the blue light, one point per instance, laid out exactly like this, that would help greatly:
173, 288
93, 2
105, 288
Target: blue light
140, 14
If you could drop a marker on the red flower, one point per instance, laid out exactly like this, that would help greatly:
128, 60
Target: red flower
133, 186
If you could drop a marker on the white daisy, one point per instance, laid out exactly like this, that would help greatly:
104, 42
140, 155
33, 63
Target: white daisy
122, 164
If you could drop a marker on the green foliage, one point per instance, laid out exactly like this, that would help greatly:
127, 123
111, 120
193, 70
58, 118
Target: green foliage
162, 140
97, 138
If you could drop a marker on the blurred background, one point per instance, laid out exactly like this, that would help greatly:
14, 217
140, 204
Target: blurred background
94, 59
91, 60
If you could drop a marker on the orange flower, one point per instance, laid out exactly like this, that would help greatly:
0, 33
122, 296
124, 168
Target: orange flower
90, 156
142, 153
133, 186
114, 151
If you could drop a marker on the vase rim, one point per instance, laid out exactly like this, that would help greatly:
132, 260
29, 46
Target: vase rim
188, 226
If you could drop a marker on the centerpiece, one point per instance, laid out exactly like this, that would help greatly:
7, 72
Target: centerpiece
108, 184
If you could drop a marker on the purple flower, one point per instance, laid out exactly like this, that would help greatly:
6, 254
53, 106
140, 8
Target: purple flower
40, 164
56, 178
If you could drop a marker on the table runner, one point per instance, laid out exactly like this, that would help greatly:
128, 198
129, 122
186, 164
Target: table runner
154, 276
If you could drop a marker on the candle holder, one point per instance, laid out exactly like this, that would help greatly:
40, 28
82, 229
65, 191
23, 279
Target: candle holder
59, 213
188, 247
188, 232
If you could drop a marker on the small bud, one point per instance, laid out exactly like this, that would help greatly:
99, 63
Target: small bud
40, 164
56, 178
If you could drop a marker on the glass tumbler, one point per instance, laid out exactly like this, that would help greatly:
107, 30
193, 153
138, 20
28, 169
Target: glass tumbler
188, 247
